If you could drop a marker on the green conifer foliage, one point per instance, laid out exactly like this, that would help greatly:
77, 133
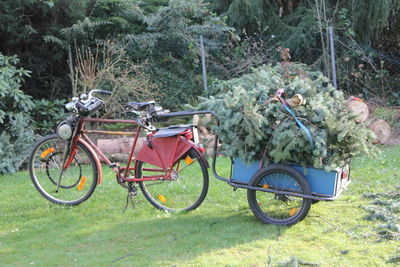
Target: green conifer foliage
369, 16
385, 207
250, 123
16, 132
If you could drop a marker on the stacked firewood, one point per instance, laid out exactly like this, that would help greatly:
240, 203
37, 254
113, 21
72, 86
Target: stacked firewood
362, 114
203, 126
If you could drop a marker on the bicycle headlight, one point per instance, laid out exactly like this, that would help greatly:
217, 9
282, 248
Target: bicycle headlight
64, 131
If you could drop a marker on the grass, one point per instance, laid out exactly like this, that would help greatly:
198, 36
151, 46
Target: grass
221, 232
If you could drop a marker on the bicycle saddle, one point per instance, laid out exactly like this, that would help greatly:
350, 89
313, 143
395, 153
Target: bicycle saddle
139, 106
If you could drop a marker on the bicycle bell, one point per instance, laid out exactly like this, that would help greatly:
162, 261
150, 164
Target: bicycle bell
71, 105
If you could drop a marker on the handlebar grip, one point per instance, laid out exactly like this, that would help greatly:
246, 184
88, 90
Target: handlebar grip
85, 109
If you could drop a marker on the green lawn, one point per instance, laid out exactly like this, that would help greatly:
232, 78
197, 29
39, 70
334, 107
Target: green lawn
221, 232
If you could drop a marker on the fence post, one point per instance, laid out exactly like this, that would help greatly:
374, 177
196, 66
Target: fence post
203, 63
333, 56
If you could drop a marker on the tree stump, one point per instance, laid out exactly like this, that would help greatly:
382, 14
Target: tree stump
381, 129
115, 145
358, 108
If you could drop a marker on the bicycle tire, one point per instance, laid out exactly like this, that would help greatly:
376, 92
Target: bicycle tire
78, 181
185, 192
279, 209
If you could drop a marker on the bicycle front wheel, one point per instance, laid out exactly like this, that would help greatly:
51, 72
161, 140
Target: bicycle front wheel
69, 186
279, 209
186, 189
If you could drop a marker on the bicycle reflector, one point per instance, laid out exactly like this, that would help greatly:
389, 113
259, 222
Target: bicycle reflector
162, 198
293, 211
188, 160
64, 131
82, 183
46, 152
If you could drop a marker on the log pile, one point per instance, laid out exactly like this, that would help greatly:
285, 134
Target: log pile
206, 138
361, 112
118, 149
359, 108
381, 129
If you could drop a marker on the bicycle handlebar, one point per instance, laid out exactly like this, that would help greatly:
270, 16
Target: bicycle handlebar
87, 104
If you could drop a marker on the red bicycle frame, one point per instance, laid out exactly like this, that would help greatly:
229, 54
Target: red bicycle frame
158, 153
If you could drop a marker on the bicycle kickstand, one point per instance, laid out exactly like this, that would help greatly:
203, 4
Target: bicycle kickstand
132, 192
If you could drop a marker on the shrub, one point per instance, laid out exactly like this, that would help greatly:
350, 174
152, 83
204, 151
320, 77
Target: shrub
46, 115
109, 68
17, 134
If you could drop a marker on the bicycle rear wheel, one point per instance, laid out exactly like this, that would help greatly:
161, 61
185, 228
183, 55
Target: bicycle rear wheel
279, 209
186, 189
76, 183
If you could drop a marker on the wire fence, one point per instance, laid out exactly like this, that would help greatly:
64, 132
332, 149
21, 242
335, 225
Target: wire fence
367, 71
357, 69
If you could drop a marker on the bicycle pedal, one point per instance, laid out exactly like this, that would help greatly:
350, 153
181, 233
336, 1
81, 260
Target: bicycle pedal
132, 194
114, 165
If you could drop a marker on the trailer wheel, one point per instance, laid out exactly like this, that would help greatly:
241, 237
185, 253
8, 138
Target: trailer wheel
279, 209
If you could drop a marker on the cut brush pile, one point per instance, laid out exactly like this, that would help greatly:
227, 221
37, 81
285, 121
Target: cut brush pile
253, 120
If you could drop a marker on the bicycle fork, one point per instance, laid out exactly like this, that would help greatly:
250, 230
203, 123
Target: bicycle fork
67, 160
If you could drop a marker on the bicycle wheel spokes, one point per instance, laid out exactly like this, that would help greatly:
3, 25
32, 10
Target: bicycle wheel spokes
279, 206
77, 181
184, 191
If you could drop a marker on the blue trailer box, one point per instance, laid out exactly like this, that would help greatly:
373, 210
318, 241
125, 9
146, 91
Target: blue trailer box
321, 182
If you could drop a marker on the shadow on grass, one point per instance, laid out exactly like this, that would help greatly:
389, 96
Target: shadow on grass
180, 238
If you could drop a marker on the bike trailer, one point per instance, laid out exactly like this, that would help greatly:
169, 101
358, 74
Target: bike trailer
323, 185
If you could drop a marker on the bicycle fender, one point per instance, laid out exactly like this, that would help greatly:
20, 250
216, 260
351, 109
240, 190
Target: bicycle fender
96, 159
201, 153
165, 151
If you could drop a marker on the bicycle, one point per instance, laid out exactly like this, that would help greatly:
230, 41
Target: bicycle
169, 167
